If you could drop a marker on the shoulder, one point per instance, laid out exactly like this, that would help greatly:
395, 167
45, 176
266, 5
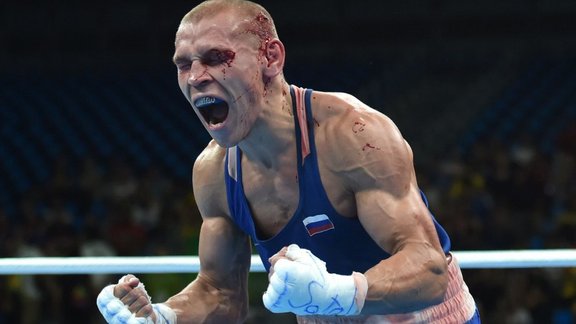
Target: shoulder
359, 142
341, 111
343, 120
211, 155
208, 180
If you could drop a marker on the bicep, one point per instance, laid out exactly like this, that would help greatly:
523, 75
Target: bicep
396, 221
224, 250
219, 293
388, 199
224, 253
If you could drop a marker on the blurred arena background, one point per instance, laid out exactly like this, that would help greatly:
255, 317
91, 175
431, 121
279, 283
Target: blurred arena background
97, 142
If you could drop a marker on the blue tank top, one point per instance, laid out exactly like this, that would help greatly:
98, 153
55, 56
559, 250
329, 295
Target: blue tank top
340, 241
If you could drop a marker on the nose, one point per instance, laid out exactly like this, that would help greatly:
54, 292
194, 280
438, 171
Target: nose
199, 75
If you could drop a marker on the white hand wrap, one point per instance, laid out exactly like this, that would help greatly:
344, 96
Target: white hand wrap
302, 285
116, 312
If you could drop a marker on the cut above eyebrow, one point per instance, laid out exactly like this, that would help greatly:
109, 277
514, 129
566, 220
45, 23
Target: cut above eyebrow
218, 56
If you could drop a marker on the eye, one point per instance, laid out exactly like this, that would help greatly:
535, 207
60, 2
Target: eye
183, 65
216, 57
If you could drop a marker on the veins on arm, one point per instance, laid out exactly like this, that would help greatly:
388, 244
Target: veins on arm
219, 293
381, 174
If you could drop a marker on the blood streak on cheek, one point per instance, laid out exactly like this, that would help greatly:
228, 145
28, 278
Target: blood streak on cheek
266, 84
203, 73
226, 57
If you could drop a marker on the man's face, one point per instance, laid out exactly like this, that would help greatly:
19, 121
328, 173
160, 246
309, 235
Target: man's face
220, 73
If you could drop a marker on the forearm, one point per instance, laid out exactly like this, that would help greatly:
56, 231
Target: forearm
201, 302
411, 279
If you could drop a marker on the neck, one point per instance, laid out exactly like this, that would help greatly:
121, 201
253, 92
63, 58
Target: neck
272, 137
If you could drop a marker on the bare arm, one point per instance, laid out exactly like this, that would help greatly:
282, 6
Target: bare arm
219, 294
415, 276
377, 169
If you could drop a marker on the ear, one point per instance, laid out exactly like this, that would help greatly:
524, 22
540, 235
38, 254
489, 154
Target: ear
275, 56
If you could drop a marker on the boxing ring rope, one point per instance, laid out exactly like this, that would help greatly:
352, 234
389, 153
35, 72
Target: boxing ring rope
559, 258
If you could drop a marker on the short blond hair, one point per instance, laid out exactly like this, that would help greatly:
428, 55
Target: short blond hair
260, 22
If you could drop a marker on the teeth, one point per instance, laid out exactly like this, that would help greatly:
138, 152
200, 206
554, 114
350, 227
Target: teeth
205, 101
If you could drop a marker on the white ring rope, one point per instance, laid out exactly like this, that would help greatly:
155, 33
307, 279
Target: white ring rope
560, 258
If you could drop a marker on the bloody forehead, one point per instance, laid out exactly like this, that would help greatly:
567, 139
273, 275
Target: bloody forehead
259, 26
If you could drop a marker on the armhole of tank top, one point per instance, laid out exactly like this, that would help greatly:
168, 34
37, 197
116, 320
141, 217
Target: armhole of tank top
297, 131
231, 162
310, 122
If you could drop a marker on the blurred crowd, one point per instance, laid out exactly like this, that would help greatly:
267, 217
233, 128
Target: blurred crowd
510, 195
494, 194
91, 208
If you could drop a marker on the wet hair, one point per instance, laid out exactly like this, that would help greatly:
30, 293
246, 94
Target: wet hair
258, 19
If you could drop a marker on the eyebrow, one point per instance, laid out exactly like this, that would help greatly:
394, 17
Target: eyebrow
178, 59
201, 53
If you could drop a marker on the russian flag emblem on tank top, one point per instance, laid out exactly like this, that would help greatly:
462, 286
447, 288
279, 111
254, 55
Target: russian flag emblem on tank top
317, 224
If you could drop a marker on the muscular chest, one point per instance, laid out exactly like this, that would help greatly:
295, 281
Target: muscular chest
274, 196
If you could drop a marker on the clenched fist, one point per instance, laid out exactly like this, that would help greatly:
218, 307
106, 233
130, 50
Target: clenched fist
128, 303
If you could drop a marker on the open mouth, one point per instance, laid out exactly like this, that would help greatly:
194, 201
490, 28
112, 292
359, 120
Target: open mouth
214, 110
